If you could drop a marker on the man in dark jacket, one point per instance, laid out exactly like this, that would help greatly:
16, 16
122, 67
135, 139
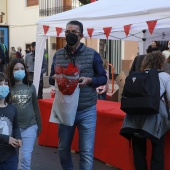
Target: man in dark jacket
29, 62
92, 75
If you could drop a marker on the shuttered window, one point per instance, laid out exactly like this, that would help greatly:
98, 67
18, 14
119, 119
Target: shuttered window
32, 2
113, 54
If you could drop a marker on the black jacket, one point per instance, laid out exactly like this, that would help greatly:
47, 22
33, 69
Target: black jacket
137, 63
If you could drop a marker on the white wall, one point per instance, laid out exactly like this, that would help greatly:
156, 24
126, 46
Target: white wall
22, 23
3, 9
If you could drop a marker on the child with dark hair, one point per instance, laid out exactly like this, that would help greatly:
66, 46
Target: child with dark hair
10, 136
23, 95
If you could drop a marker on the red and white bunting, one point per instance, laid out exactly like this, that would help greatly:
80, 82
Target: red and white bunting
151, 25
45, 27
127, 29
58, 31
107, 31
90, 31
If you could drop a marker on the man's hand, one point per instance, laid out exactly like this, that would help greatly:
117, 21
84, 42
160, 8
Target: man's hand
54, 76
83, 81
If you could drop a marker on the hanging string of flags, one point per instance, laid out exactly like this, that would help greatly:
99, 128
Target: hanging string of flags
151, 26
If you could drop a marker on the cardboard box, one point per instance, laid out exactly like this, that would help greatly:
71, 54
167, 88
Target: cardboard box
120, 80
126, 64
113, 96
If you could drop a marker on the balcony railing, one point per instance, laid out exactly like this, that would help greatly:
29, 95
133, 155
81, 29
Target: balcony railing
54, 10
47, 8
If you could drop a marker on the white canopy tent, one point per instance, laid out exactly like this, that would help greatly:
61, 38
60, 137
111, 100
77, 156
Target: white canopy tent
113, 14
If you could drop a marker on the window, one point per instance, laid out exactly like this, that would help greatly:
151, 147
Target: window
32, 2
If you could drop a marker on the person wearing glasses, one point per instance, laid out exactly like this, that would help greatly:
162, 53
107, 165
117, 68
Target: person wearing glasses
29, 62
92, 75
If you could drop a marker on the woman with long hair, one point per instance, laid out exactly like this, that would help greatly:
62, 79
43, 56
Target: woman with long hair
140, 127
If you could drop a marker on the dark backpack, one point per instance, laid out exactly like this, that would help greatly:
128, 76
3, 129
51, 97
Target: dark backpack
141, 93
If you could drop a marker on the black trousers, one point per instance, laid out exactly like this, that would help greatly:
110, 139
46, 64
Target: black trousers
139, 152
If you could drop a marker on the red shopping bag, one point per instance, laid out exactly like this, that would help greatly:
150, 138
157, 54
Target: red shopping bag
67, 78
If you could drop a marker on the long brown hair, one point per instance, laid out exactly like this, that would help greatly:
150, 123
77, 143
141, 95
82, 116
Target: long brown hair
153, 60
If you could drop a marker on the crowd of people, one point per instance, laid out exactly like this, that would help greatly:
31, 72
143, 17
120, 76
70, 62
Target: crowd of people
20, 114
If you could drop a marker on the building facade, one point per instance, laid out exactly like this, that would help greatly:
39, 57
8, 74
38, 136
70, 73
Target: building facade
22, 15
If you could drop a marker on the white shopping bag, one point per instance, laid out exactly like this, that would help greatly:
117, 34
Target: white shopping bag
64, 107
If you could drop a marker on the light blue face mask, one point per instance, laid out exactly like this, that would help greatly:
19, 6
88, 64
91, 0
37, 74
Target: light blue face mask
168, 46
4, 90
19, 74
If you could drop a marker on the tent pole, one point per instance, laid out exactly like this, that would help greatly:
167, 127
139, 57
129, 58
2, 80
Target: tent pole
141, 44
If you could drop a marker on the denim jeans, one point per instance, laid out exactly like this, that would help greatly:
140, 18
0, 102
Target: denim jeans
10, 164
85, 121
28, 138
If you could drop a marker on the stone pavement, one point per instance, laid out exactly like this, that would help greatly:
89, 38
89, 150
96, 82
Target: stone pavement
46, 158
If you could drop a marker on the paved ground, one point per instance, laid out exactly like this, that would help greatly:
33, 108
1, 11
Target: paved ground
46, 158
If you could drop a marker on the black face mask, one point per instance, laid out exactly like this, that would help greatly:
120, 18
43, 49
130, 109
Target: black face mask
71, 39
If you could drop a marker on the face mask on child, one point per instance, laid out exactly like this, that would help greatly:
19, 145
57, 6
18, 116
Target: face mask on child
4, 90
169, 46
19, 74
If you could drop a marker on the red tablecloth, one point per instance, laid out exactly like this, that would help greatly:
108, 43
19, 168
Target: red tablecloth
110, 147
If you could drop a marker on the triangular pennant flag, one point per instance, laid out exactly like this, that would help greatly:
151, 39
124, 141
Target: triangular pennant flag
107, 31
90, 31
45, 27
127, 29
93, 0
58, 30
151, 25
